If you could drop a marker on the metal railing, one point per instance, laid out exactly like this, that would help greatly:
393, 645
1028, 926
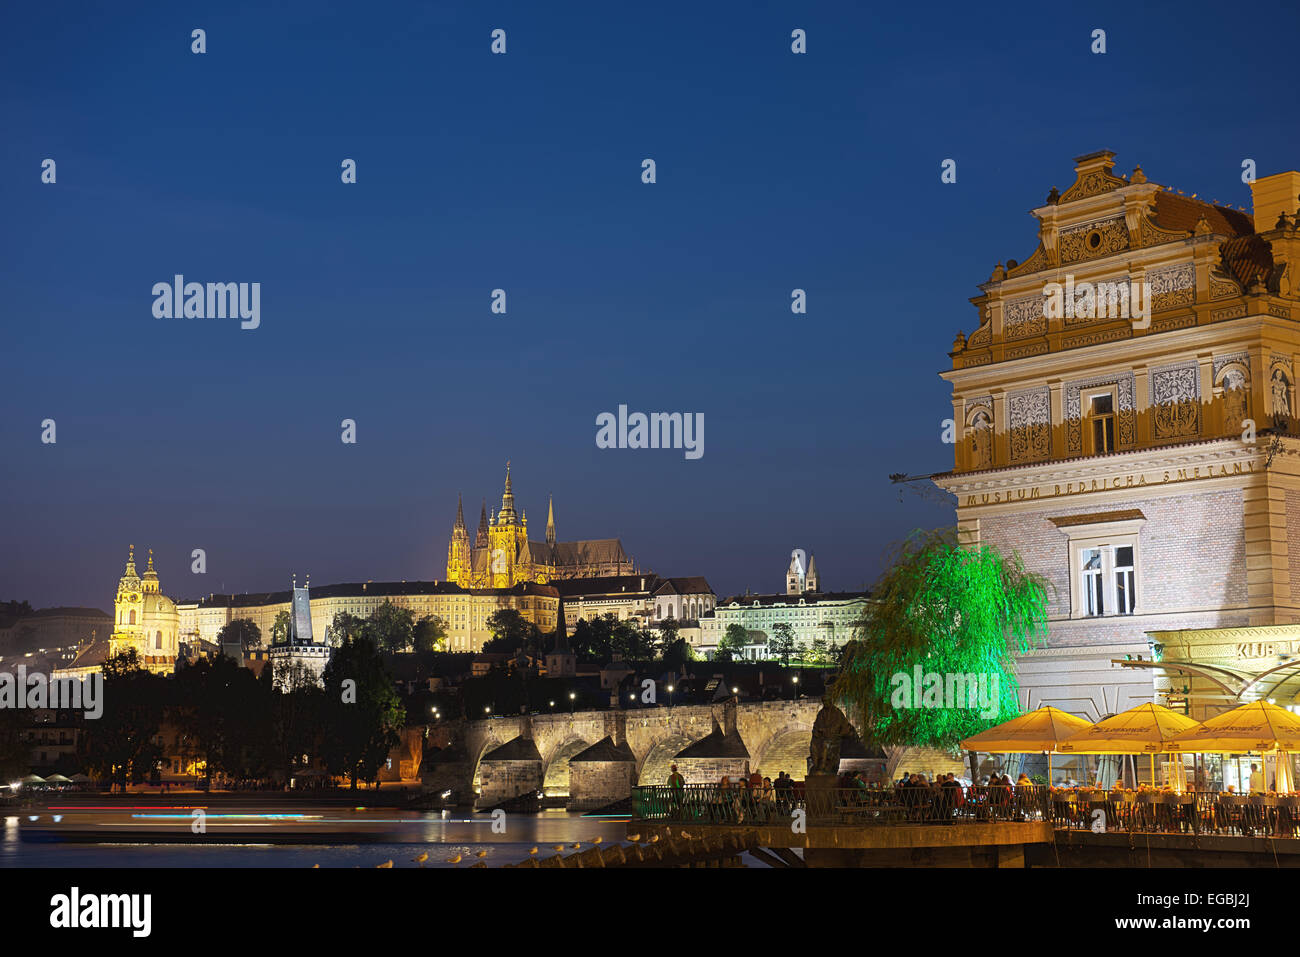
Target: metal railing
713, 804
1193, 812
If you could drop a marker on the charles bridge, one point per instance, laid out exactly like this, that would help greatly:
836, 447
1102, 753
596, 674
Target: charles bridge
597, 757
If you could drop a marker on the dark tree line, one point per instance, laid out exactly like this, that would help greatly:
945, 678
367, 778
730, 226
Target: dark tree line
231, 722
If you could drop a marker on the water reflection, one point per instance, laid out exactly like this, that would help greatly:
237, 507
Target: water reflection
405, 836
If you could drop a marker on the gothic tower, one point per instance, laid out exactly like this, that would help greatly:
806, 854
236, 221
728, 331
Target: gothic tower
814, 583
795, 580
507, 536
459, 564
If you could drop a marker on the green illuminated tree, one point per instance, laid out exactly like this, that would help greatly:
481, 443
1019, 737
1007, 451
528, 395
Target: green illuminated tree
430, 634
244, 631
391, 628
343, 628
732, 643
952, 611
782, 645
280, 628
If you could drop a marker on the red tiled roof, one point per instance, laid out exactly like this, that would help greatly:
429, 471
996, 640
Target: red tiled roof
1247, 258
1181, 212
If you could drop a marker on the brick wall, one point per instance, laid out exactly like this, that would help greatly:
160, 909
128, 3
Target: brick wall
594, 784
1192, 560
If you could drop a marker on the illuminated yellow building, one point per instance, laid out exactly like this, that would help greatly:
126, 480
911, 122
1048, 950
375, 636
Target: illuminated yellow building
464, 612
1127, 422
502, 556
143, 618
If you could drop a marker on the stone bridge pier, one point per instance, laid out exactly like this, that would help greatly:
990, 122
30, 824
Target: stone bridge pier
616, 750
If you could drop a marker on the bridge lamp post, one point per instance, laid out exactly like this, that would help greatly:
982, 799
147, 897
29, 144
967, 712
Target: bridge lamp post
795, 682
572, 698
552, 705
670, 696
632, 698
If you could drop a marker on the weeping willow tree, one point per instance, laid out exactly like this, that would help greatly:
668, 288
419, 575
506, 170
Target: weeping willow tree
931, 663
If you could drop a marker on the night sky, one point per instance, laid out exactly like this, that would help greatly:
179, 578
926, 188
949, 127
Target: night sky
523, 172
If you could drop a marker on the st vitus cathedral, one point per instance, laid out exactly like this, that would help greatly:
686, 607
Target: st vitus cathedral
502, 554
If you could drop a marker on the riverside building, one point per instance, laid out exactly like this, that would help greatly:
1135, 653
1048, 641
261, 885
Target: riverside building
1146, 465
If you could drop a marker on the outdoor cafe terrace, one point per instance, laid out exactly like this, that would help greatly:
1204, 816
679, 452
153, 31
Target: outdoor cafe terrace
1257, 728
1145, 810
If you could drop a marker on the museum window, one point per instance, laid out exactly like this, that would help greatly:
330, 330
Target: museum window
1107, 579
1104, 552
1101, 416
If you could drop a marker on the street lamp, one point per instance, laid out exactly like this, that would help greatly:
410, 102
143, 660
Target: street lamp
795, 693
572, 697
670, 696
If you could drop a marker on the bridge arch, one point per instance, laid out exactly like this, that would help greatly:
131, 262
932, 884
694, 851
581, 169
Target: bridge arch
786, 750
555, 778
654, 768
477, 781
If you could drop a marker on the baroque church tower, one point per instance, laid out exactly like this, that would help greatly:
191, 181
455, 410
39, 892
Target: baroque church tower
145, 619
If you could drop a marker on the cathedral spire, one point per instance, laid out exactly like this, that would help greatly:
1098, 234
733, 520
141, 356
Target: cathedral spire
550, 520
130, 562
506, 515
481, 539
460, 514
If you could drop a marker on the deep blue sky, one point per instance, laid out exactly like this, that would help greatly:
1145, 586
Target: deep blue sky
523, 172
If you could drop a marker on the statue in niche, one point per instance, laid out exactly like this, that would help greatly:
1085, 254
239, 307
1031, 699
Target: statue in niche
1280, 392
1234, 399
981, 442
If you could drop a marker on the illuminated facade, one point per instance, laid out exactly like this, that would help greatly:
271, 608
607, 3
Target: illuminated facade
502, 555
464, 611
143, 618
1141, 456
813, 616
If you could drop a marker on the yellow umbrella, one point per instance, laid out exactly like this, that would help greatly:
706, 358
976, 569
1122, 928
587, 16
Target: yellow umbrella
1039, 730
1257, 726
1145, 729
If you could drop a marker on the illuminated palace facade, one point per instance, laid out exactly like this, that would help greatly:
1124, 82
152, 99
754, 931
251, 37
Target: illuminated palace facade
1146, 465
464, 611
501, 554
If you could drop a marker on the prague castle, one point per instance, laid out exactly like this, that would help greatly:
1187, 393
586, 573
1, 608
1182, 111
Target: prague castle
1146, 464
502, 556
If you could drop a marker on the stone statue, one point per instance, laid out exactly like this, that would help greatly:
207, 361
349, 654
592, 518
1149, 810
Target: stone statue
830, 727
1234, 399
1281, 394
981, 440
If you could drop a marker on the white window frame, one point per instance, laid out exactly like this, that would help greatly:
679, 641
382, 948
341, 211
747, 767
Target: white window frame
1106, 536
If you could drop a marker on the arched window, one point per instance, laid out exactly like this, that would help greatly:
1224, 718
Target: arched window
158, 640
132, 621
